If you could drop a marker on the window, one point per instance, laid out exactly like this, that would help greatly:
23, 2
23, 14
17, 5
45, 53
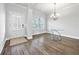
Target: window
38, 24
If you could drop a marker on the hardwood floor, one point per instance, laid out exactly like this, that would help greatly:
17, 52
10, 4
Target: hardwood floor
45, 45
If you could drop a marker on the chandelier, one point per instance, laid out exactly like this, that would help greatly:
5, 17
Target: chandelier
54, 16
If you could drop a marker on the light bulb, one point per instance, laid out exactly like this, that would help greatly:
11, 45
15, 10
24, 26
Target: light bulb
55, 17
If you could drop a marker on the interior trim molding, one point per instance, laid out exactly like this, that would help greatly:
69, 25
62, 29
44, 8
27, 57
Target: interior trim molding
70, 36
2, 46
8, 38
38, 33
29, 37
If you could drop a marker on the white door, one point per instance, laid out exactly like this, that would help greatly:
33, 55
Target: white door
16, 24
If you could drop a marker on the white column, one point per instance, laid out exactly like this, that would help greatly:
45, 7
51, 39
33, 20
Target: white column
29, 24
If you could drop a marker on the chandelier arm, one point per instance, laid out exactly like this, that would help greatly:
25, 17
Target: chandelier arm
54, 9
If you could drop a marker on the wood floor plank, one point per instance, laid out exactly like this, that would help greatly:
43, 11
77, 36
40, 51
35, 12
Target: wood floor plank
44, 45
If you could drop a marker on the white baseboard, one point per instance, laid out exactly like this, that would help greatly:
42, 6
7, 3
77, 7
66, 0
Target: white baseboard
2, 45
70, 36
39, 33
29, 37
8, 38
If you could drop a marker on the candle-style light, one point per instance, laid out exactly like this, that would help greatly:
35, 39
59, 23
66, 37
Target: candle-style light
54, 16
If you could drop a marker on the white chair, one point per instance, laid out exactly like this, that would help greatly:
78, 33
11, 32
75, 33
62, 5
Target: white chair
56, 35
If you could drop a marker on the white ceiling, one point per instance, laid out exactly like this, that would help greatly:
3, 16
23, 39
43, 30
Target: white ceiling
48, 8
45, 7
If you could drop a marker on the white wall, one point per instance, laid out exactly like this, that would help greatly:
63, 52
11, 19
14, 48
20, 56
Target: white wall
2, 26
68, 21
14, 24
32, 13
29, 14
37, 13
